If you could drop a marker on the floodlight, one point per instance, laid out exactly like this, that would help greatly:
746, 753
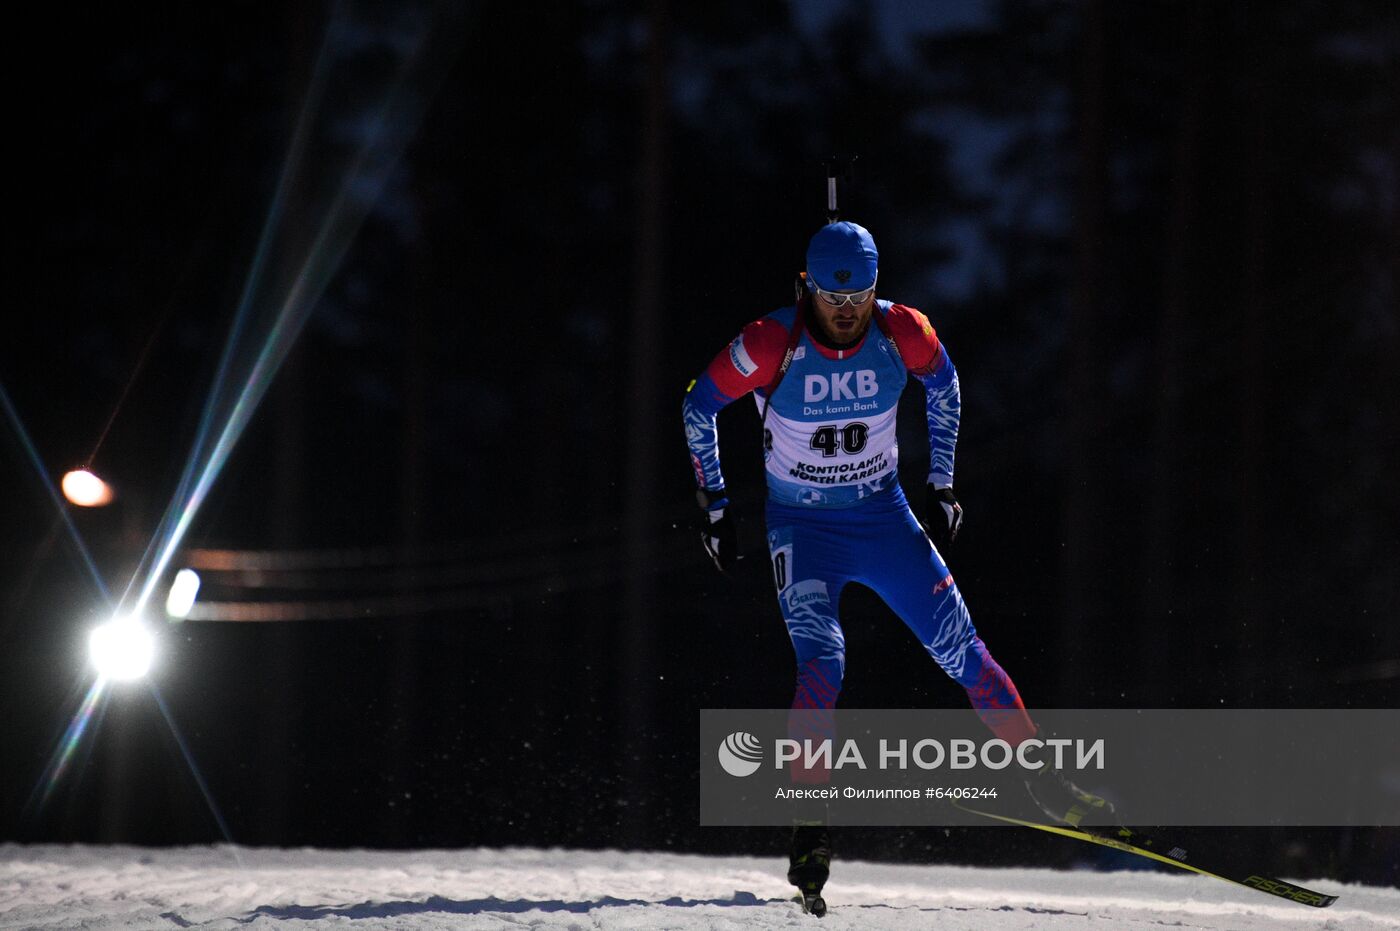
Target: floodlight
183, 590
122, 649
86, 490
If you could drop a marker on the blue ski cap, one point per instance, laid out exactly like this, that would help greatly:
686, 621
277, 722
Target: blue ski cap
842, 257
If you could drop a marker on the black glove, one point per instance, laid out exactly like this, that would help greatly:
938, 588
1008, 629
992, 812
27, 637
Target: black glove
943, 515
717, 528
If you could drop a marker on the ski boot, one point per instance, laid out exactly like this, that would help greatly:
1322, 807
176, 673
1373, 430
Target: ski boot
1063, 801
809, 859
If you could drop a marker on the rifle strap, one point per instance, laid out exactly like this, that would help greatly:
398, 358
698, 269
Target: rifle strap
794, 337
884, 326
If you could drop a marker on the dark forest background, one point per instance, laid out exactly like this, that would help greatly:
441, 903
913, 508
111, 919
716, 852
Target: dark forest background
1160, 240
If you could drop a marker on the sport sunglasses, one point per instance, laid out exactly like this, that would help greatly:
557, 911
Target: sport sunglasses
837, 298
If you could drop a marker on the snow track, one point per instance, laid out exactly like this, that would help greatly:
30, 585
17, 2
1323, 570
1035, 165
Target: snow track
53, 887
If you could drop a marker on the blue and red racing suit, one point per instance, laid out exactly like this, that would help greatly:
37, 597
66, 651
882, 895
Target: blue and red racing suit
835, 511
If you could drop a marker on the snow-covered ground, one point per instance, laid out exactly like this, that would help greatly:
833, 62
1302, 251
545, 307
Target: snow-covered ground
53, 887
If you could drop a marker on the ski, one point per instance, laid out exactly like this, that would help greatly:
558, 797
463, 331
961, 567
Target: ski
1136, 841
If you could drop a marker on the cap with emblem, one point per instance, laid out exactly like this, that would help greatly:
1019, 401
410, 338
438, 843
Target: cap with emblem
842, 257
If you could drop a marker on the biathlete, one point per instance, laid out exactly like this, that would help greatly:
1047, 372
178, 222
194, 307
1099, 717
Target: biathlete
827, 374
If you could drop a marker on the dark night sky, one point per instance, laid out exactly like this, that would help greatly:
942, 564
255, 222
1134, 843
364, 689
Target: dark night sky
1159, 239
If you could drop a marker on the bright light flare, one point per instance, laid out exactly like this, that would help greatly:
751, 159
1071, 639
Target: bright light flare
122, 649
86, 490
90, 709
183, 590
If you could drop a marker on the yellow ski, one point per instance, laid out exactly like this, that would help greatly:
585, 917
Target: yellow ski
1135, 841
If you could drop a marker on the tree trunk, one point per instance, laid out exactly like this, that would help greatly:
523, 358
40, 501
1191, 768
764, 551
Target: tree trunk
1160, 578
641, 514
1084, 586
1250, 608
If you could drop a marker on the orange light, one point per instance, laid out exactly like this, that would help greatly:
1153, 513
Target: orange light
86, 490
